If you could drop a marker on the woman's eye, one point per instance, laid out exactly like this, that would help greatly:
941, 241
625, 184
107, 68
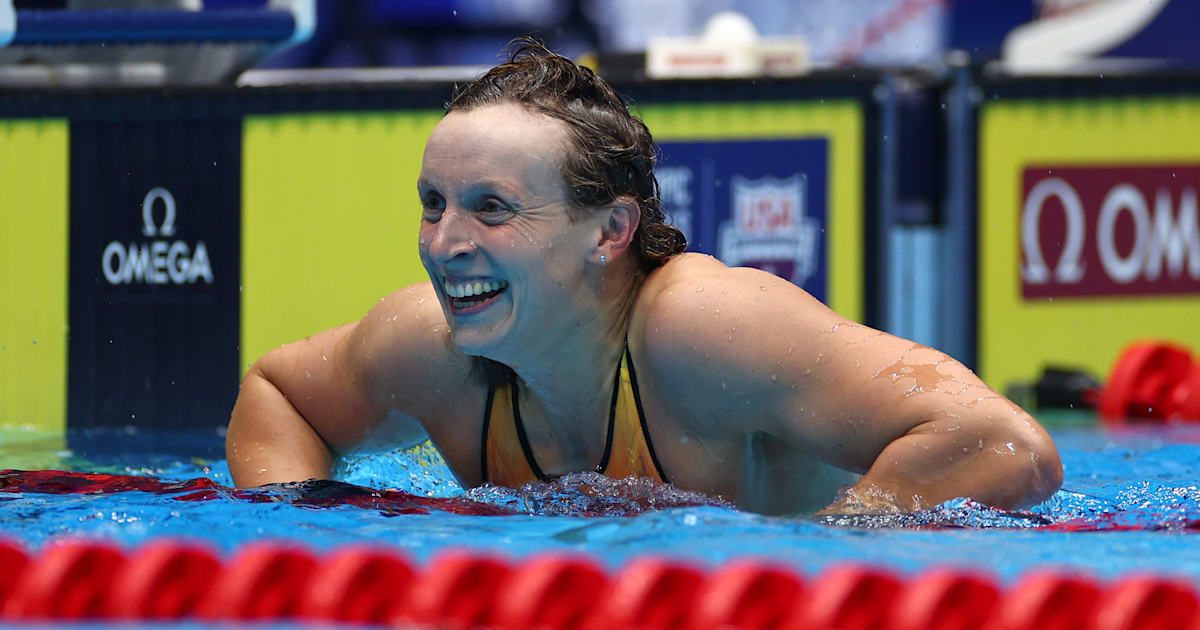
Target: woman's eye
493, 209
432, 206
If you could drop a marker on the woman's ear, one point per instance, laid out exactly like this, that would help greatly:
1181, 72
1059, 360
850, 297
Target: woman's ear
618, 223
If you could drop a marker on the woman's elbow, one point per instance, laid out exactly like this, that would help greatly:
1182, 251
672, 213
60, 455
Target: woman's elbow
1036, 462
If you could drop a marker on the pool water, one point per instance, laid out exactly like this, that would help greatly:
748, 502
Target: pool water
1130, 503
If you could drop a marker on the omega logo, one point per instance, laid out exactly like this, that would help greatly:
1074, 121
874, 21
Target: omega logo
1165, 238
157, 261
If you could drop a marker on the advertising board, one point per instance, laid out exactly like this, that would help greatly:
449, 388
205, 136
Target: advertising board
1088, 233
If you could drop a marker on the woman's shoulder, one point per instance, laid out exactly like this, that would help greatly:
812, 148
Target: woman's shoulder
404, 341
670, 318
696, 311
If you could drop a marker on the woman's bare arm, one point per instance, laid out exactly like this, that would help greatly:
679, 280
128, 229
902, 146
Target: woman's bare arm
919, 425
304, 401
296, 403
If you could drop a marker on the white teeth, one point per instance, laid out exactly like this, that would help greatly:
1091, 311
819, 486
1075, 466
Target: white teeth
477, 287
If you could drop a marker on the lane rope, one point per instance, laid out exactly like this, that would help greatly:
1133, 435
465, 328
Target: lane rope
75, 579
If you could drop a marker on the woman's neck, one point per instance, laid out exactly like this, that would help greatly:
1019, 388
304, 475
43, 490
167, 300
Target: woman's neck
566, 385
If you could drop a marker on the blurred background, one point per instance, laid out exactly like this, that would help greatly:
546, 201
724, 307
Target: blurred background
187, 184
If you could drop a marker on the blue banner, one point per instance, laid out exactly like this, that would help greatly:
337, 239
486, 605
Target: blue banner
753, 203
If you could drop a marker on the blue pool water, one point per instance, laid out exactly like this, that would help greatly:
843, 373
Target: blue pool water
1131, 503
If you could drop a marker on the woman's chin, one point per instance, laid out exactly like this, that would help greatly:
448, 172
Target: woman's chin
474, 342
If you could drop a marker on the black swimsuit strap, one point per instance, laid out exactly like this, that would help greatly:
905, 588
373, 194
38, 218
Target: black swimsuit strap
637, 400
487, 423
524, 439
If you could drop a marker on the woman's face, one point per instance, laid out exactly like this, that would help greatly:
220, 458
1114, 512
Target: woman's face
495, 237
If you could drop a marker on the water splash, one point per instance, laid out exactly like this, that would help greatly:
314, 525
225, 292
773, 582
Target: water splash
590, 494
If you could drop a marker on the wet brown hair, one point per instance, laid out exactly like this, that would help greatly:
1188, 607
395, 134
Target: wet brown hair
611, 152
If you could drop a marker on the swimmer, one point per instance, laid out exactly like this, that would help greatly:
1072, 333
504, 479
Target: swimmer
564, 329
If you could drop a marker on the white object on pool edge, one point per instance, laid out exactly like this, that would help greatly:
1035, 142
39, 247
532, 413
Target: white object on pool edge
730, 47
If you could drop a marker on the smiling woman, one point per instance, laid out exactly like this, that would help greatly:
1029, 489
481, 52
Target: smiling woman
553, 274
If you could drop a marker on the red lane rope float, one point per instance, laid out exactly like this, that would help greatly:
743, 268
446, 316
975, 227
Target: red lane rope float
163, 580
945, 599
746, 596
1049, 601
68, 580
550, 592
76, 579
1148, 603
13, 561
457, 592
1151, 380
263, 582
847, 598
649, 594
358, 585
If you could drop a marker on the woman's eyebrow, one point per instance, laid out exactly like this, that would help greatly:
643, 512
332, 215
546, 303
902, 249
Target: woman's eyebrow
495, 186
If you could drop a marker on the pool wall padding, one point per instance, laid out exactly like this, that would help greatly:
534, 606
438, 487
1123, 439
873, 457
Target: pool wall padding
160, 241
75, 580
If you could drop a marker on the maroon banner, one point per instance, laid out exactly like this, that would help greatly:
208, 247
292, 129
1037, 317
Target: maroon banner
1109, 230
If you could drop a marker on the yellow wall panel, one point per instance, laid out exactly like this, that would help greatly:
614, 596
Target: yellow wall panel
1018, 336
329, 219
34, 168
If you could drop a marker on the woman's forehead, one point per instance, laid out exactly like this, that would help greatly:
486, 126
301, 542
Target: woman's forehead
499, 140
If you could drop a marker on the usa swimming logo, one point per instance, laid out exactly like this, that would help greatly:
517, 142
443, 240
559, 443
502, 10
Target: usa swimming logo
769, 229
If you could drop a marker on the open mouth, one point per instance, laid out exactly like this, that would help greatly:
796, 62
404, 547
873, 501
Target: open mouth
470, 296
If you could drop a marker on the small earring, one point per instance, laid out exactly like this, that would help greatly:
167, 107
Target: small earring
471, 243
603, 258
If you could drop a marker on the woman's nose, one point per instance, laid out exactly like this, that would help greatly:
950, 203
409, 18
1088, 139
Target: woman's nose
452, 238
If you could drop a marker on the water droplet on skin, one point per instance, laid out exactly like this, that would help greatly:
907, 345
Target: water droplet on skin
699, 289
791, 349
323, 358
702, 307
762, 287
262, 470
308, 375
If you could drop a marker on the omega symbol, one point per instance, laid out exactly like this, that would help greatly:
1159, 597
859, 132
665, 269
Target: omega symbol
168, 224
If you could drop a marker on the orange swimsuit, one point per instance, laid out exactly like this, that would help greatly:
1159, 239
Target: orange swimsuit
508, 459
